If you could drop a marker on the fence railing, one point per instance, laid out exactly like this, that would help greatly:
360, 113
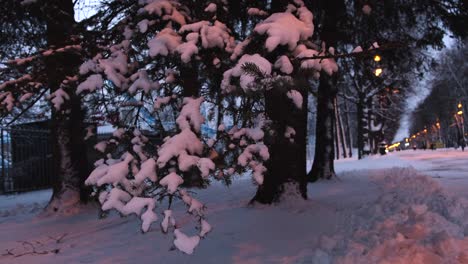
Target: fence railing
26, 160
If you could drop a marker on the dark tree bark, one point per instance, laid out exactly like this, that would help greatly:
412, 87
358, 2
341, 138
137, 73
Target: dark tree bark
323, 167
340, 129
361, 125
70, 160
189, 78
336, 129
332, 12
286, 167
370, 136
349, 137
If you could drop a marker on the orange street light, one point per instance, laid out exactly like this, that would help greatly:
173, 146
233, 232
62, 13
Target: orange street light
377, 58
459, 105
460, 113
378, 72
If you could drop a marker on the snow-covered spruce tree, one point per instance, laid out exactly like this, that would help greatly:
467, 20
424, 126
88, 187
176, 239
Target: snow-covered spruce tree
53, 57
272, 67
162, 53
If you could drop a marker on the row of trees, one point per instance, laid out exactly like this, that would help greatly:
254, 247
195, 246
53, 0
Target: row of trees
250, 67
448, 83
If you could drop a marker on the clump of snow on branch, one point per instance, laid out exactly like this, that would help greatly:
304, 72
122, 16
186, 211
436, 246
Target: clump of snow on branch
284, 65
186, 141
161, 101
171, 182
290, 133
166, 9
253, 11
185, 243
58, 98
327, 65
115, 67
211, 8
296, 97
7, 100
190, 116
165, 42
92, 83
253, 156
246, 80
142, 82
286, 28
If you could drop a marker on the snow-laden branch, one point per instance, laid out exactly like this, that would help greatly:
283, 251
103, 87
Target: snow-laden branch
366, 53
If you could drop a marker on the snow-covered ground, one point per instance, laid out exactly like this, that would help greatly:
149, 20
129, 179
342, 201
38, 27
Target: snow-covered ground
379, 211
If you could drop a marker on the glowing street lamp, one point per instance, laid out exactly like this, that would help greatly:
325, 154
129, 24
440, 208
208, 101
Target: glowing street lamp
377, 58
461, 125
378, 72
439, 138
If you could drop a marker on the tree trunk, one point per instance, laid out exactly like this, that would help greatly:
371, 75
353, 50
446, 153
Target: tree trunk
370, 134
336, 130
323, 167
361, 126
189, 78
349, 137
286, 169
341, 130
69, 153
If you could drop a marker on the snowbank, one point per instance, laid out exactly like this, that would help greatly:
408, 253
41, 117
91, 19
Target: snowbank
412, 221
16, 205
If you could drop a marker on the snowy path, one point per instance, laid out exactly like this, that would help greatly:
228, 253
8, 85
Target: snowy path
448, 166
359, 215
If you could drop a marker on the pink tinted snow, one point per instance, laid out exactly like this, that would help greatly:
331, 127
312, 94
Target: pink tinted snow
367, 216
246, 80
286, 29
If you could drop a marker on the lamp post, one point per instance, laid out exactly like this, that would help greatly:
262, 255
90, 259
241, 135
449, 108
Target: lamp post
459, 122
461, 125
438, 131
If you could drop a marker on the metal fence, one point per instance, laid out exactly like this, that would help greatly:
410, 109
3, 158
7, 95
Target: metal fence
26, 160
